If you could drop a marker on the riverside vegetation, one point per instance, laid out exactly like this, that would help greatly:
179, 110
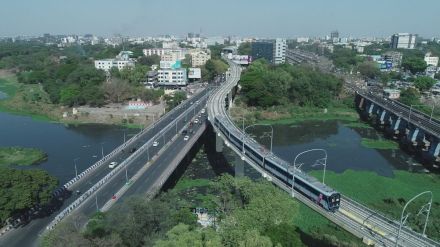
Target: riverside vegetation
21, 156
41, 80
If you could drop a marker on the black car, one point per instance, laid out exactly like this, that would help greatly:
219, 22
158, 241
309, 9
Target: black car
132, 150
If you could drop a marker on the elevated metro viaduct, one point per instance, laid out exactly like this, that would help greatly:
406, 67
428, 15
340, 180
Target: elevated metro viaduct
416, 131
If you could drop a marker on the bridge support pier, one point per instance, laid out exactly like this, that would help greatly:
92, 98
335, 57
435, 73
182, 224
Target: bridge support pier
218, 144
238, 166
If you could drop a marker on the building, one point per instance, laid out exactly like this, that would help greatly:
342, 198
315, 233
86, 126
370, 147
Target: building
279, 53
121, 61
391, 93
431, 60
334, 36
394, 57
152, 77
403, 41
154, 51
199, 57
263, 49
274, 51
171, 77
302, 39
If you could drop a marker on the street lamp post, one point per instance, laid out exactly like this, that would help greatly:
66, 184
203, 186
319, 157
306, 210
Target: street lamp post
299, 166
126, 175
96, 202
253, 125
404, 218
410, 111
102, 149
76, 170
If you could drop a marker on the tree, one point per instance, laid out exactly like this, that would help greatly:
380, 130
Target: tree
70, 95
175, 99
116, 90
245, 48
368, 70
414, 64
410, 96
424, 83
182, 236
149, 60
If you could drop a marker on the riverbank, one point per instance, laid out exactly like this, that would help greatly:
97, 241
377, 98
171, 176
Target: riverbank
388, 195
292, 114
379, 144
21, 156
31, 100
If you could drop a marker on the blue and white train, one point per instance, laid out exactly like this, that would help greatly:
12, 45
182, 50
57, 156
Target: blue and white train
309, 186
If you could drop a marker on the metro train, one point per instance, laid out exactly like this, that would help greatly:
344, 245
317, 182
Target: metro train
308, 186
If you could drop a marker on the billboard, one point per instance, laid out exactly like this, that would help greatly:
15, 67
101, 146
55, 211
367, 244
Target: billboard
242, 59
177, 64
194, 73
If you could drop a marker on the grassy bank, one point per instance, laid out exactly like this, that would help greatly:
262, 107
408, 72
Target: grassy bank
360, 125
27, 99
292, 114
388, 195
379, 144
21, 156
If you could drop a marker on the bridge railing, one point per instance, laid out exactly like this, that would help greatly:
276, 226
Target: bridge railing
101, 182
110, 155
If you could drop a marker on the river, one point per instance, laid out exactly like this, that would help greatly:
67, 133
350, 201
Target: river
342, 143
63, 143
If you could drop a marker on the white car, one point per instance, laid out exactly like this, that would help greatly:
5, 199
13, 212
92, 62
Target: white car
186, 138
203, 110
113, 164
196, 121
155, 144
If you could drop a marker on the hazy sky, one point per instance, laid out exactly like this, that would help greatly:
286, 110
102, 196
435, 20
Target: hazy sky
261, 18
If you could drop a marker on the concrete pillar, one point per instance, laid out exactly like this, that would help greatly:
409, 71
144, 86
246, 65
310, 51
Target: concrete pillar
218, 144
230, 98
239, 166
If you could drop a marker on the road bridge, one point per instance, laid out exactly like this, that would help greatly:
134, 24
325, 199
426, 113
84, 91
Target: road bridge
99, 183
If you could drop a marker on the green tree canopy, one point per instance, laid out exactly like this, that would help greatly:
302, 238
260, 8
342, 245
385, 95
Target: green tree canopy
424, 83
369, 70
410, 96
414, 64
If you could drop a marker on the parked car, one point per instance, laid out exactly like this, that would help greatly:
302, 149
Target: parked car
113, 164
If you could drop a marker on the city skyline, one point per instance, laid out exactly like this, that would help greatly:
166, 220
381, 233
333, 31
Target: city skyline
280, 19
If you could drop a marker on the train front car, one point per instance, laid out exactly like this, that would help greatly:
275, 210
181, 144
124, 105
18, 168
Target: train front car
334, 201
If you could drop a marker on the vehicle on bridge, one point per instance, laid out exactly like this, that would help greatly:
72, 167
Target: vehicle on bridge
186, 138
155, 143
113, 164
309, 186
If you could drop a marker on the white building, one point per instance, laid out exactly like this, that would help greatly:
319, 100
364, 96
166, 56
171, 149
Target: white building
121, 61
166, 53
403, 41
431, 60
279, 53
199, 57
171, 77
302, 39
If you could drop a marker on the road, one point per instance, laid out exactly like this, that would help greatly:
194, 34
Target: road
27, 235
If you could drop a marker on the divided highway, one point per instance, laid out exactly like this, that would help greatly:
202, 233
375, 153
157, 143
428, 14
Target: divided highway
27, 235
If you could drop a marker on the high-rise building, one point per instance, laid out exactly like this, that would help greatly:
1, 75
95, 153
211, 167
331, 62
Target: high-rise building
334, 36
263, 49
431, 60
403, 41
279, 53
274, 51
